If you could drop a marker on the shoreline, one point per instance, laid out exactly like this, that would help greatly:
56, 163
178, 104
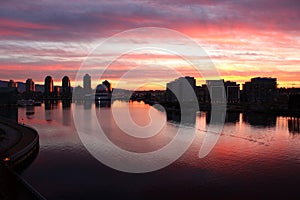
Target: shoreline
232, 108
18, 148
23, 142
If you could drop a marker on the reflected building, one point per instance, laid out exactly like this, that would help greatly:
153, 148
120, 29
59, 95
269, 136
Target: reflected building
232, 117
66, 117
87, 84
30, 110
48, 104
88, 104
294, 125
218, 118
48, 86
66, 104
101, 104
186, 118
260, 119
48, 110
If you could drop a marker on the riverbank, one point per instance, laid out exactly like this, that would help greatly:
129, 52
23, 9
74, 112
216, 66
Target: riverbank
19, 143
18, 147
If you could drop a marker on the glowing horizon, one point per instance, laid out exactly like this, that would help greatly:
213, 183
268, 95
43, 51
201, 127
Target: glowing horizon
244, 39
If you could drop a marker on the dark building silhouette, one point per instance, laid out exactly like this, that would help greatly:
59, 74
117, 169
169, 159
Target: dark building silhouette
260, 90
107, 85
179, 90
103, 92
78, 92
30, 86
232, 117
187, 117
87, 84
232, 92
12, 84
260, 119
66, 87
66, 104
56, 91
48, 91
294, 102
216, 90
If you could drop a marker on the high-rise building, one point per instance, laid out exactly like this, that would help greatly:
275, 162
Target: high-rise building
48, 85
66, 86
181, 90
30, 87
12, 84
232, 92
216, 91
87, 84
56, 91
260, 90
107, 85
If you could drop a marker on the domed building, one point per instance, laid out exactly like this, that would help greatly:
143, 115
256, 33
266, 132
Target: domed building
101, 88
103, 93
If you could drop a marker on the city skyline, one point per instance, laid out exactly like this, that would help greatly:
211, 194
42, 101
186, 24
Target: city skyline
241, 44
13, 83
241, 85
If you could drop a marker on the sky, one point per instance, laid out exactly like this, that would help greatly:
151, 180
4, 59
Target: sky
242, 38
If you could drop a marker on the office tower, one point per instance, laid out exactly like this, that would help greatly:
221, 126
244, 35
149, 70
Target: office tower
30, 87
66, 86
48, 85
87, 84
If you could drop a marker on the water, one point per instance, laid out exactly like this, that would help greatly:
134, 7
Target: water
256, 156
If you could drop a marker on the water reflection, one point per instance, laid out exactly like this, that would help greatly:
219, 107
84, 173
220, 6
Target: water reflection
243, 156
66, 114
260, 119
188, 117
88, 104
103, 104
49, 104
48, 110
30, 112
232, 117
217, 117
294, 125
66, 104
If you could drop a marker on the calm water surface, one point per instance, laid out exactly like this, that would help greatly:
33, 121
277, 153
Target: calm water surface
257, 156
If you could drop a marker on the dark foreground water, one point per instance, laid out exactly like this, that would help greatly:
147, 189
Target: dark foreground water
257, 156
